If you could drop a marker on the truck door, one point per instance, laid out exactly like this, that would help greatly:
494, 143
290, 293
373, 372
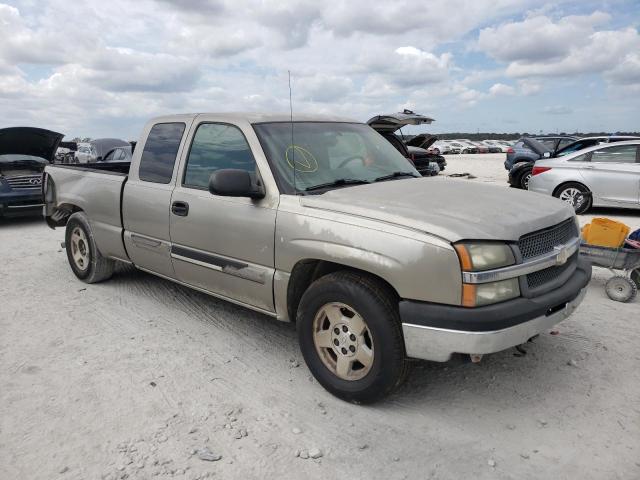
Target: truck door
224, 245
147, 198
614, 174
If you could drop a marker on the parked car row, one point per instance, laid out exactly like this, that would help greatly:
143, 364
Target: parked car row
446, 147
88, 152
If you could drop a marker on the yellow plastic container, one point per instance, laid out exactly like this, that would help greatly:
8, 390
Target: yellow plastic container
605, 232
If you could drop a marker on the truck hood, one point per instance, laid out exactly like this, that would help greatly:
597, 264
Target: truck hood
451, 209
34, 142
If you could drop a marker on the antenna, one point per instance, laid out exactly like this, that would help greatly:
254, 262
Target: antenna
293, 145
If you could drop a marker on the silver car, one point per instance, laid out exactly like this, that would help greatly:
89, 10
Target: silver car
605, 175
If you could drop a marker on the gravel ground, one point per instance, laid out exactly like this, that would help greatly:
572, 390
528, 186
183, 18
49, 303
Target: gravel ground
138, 377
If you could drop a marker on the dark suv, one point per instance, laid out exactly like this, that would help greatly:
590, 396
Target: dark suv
24, 152
520, 152
415, 149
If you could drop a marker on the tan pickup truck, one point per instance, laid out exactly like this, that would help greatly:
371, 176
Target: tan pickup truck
320, 221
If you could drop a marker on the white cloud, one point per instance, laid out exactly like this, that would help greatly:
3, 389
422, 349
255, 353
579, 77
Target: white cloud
101, 68
572, 45
538, 38
499, 89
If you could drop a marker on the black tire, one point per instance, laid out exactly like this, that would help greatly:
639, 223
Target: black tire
635, 276
379, 309
582, 206
94, 267
523, 181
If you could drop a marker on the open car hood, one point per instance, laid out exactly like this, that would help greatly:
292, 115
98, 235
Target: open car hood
392, 122
424, 140
538, 147
34, 142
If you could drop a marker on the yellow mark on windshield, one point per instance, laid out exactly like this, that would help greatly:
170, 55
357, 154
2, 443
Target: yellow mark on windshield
305, 162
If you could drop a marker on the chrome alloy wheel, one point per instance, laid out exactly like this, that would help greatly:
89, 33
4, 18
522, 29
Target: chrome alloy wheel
80, 248
343, 341
572, 196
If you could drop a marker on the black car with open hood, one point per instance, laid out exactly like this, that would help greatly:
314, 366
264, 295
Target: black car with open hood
416, 148
24, 152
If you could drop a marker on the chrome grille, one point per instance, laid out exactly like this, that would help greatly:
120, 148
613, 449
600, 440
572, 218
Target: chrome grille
542, 277
25, 181
543, 241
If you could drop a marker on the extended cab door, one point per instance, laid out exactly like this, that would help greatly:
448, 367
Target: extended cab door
146, 203
224, 245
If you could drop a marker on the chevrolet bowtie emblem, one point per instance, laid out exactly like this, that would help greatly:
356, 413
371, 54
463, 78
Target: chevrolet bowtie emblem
562, 255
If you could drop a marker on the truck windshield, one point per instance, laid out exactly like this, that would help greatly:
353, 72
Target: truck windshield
325, 155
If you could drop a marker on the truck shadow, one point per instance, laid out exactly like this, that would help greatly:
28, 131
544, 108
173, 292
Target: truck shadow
509, 374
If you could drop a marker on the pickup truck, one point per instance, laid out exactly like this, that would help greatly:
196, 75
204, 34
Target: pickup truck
314, 221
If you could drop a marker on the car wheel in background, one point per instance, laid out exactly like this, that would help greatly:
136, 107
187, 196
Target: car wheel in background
576, 195
524, 179
86, 261
351, 338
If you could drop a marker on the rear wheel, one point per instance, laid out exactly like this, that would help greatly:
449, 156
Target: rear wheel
86, 261
576, 195
351, 338
635, 276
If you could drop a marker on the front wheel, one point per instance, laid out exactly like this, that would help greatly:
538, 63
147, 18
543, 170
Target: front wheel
350, 335
86, 261
576, 195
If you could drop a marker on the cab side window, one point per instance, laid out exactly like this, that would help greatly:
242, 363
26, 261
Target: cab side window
160, 150
217, 146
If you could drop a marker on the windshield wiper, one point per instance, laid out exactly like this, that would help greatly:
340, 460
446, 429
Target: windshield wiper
337, 183
395, 175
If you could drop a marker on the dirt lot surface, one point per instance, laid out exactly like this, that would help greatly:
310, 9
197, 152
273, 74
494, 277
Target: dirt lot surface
137, 377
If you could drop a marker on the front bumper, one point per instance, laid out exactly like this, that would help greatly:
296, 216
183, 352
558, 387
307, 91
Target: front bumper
435, 332
17, 203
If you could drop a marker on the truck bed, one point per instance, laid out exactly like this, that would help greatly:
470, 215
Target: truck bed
95, 189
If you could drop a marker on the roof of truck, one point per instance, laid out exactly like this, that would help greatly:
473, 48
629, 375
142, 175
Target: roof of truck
259, 117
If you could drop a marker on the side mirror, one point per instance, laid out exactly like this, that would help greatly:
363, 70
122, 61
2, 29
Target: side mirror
546, 154
230, 182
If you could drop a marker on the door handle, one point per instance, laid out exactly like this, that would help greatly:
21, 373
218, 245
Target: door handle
588, 167
180, 208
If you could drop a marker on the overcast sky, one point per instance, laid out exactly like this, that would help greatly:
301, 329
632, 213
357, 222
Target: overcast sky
102, 68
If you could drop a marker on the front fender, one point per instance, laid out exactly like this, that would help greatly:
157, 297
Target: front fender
416, 265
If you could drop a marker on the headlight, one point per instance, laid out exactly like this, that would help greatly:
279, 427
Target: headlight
486, 256
476, 295
476, 257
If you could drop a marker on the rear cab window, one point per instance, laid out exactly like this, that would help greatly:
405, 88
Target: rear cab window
160, 151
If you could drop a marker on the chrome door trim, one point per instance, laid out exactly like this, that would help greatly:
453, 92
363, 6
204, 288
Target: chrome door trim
253, 273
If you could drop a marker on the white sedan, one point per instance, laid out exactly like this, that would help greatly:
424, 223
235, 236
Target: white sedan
605, 175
